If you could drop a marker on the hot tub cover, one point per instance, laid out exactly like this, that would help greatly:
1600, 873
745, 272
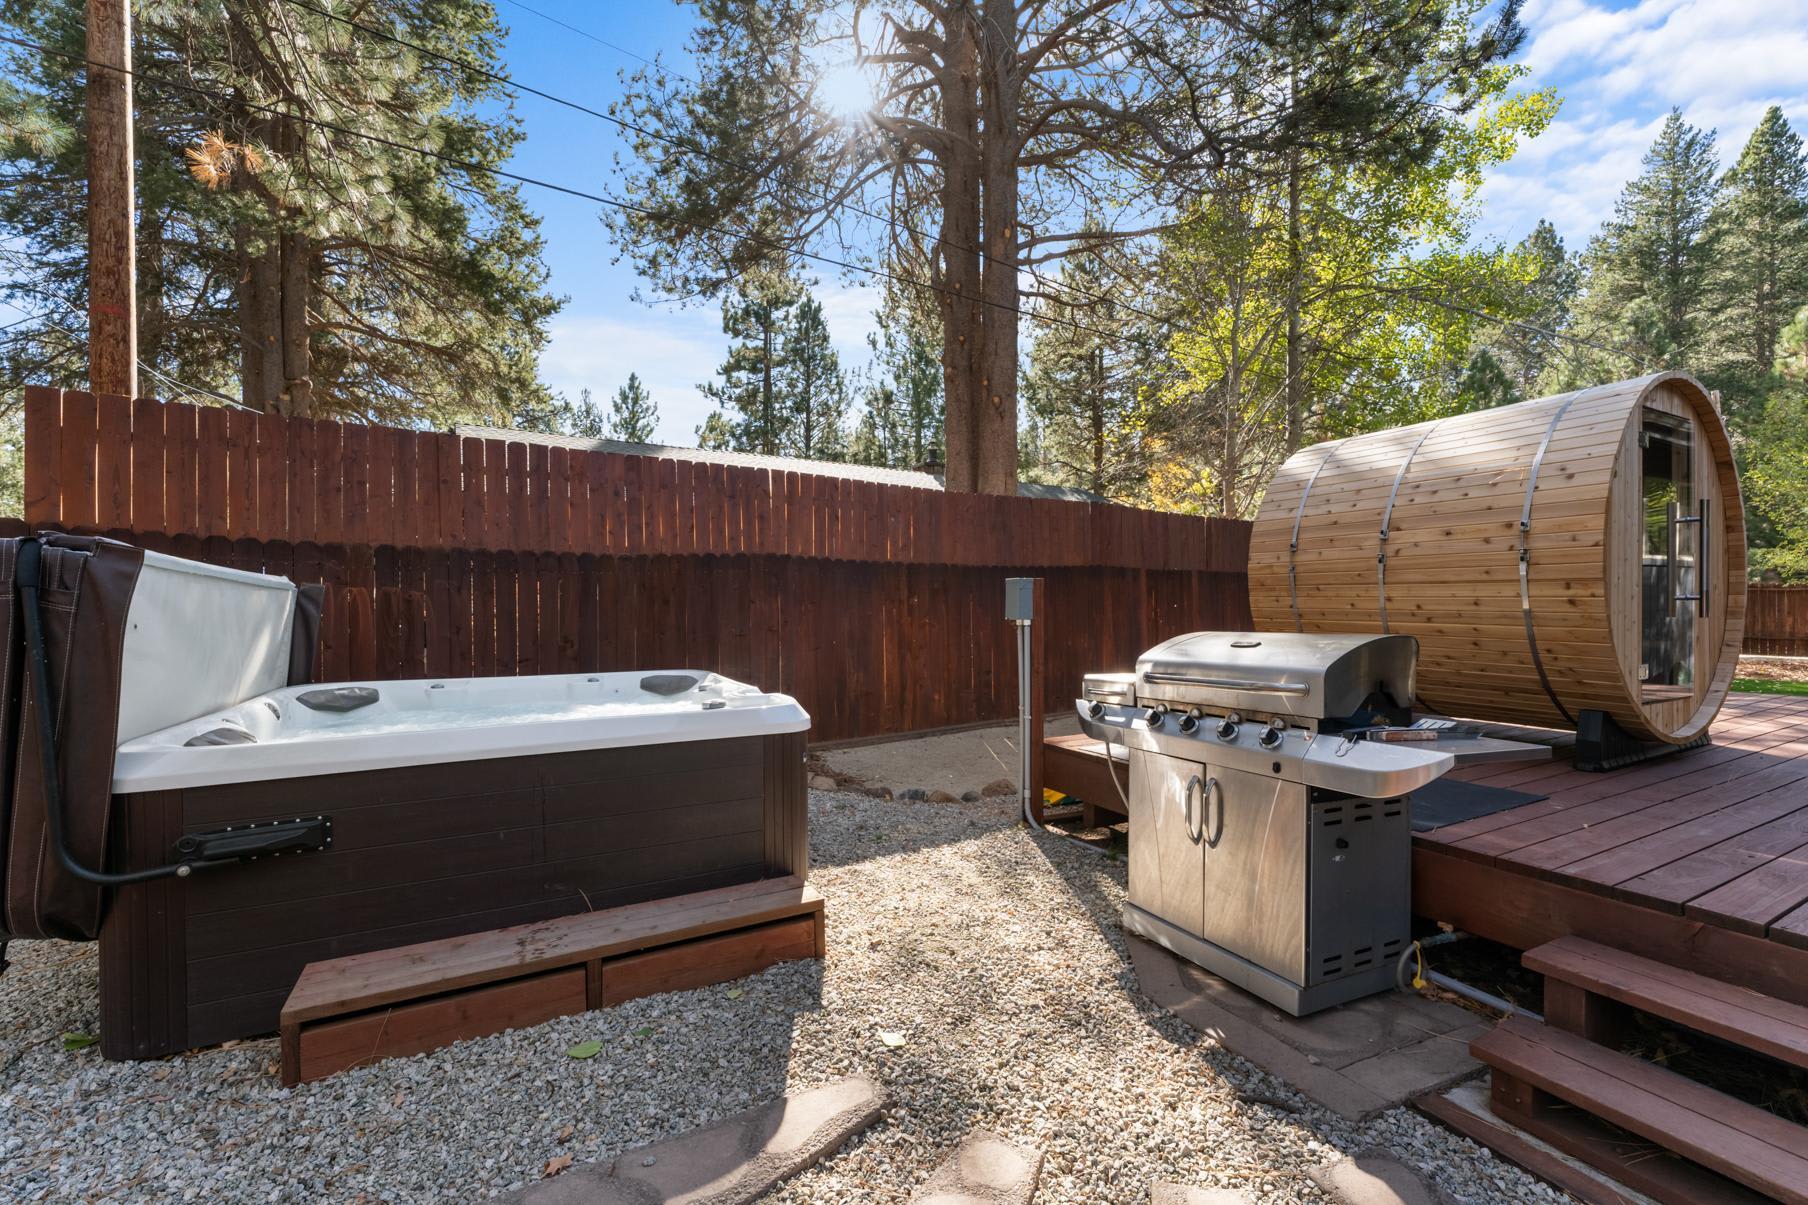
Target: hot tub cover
187, 634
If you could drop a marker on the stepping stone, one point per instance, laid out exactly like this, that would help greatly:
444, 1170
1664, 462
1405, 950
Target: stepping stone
730, 1163
1182, 1194
983, 1170
1374, 1177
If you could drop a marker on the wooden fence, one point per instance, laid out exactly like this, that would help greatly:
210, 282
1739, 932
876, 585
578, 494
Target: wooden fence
878, 606
1776, 620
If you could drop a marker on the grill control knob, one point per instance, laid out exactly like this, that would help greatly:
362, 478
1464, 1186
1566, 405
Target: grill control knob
1271, 736
1227, 730
1155, 717
1095, 709
1189, 724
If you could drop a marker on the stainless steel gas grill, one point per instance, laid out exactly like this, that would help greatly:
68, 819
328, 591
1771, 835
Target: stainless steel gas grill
1270, 837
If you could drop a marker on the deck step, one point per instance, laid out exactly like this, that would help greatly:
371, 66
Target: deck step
1723, 1010
1534, 1062
344, 1012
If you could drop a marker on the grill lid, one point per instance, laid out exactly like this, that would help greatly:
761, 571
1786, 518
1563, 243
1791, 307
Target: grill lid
1309, 674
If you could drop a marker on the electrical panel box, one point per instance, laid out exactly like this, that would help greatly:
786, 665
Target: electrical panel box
1020, 598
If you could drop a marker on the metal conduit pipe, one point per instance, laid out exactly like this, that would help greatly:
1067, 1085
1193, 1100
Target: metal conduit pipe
1024, 740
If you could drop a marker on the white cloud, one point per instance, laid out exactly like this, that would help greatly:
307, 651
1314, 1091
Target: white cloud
1619, 71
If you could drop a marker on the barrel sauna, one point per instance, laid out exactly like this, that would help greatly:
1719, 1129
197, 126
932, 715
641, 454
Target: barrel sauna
1572, 553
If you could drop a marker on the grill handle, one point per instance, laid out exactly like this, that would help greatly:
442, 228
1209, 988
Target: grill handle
1277, 688
1208, 792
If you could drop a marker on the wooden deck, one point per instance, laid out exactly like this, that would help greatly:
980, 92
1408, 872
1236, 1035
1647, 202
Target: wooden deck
1700, 859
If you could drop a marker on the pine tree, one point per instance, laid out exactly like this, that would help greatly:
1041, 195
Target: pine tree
1759, 276
1775, 473
1518, 356
633, 414
750, 414
1646, 272
901, 424
305, 270
1081, 387
815, 388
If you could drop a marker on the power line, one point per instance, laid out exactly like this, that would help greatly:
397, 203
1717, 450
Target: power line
585, 33
191, 390
692, 148
613, 202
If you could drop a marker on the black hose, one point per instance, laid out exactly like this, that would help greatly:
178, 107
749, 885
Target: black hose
28, 577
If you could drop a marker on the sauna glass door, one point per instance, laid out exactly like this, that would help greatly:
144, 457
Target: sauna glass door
1670, 585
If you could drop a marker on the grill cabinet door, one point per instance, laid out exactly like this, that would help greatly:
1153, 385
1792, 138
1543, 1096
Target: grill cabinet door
1165, 865
1254, 888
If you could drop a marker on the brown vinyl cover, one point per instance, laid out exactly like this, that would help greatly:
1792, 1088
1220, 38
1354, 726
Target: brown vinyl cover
87, 588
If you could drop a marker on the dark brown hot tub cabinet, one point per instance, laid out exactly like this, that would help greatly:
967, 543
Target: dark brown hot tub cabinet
422, 852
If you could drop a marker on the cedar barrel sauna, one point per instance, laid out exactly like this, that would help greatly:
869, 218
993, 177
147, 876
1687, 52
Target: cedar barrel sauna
1576, 554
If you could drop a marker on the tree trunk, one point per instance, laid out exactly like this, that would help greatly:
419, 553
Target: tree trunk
297, 393
768, 444
1097, 408
1233, 408
958, 265
260, 304
1296, 270
995, 436
112, 258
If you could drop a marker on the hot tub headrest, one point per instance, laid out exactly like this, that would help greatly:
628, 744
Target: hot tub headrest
668, 684
338, 698
225, 734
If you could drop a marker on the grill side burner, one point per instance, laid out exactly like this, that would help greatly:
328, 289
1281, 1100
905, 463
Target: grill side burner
1267, 845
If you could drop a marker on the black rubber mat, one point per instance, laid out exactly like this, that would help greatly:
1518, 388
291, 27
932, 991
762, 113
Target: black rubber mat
1451, 801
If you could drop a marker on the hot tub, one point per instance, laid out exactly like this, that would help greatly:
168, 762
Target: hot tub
440, 808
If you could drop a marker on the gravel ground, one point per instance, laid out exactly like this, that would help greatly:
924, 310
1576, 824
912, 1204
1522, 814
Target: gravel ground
993, 955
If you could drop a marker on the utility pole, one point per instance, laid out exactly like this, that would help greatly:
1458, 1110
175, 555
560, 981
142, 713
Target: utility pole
112, 252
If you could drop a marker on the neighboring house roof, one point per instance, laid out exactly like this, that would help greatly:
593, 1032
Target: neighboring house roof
782, 464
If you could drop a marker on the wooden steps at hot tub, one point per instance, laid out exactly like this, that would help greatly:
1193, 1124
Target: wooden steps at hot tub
345, 1012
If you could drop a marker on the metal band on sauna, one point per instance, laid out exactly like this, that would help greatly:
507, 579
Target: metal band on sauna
1299, 624
1525, 535
1387, 513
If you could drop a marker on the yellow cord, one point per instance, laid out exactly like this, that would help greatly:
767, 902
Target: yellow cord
1418, 979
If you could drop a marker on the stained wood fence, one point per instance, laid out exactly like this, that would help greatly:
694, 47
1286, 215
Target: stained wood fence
1776, 620
879, 607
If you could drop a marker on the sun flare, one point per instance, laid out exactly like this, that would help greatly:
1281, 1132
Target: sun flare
846, 91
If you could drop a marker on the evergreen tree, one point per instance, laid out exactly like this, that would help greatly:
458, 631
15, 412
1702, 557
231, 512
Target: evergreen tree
1082, 385
1775, 475
1514, 358
901, 424
633, 414
815, 388
304, 270
1647, 271
1759, 275
750, 414
716, 433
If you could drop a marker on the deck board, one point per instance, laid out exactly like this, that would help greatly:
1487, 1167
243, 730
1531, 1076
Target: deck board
1715, 836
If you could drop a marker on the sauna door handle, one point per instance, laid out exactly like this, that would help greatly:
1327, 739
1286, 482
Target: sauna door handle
1698, 520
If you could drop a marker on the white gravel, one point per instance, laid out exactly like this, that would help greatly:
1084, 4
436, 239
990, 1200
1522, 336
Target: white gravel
996, 955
